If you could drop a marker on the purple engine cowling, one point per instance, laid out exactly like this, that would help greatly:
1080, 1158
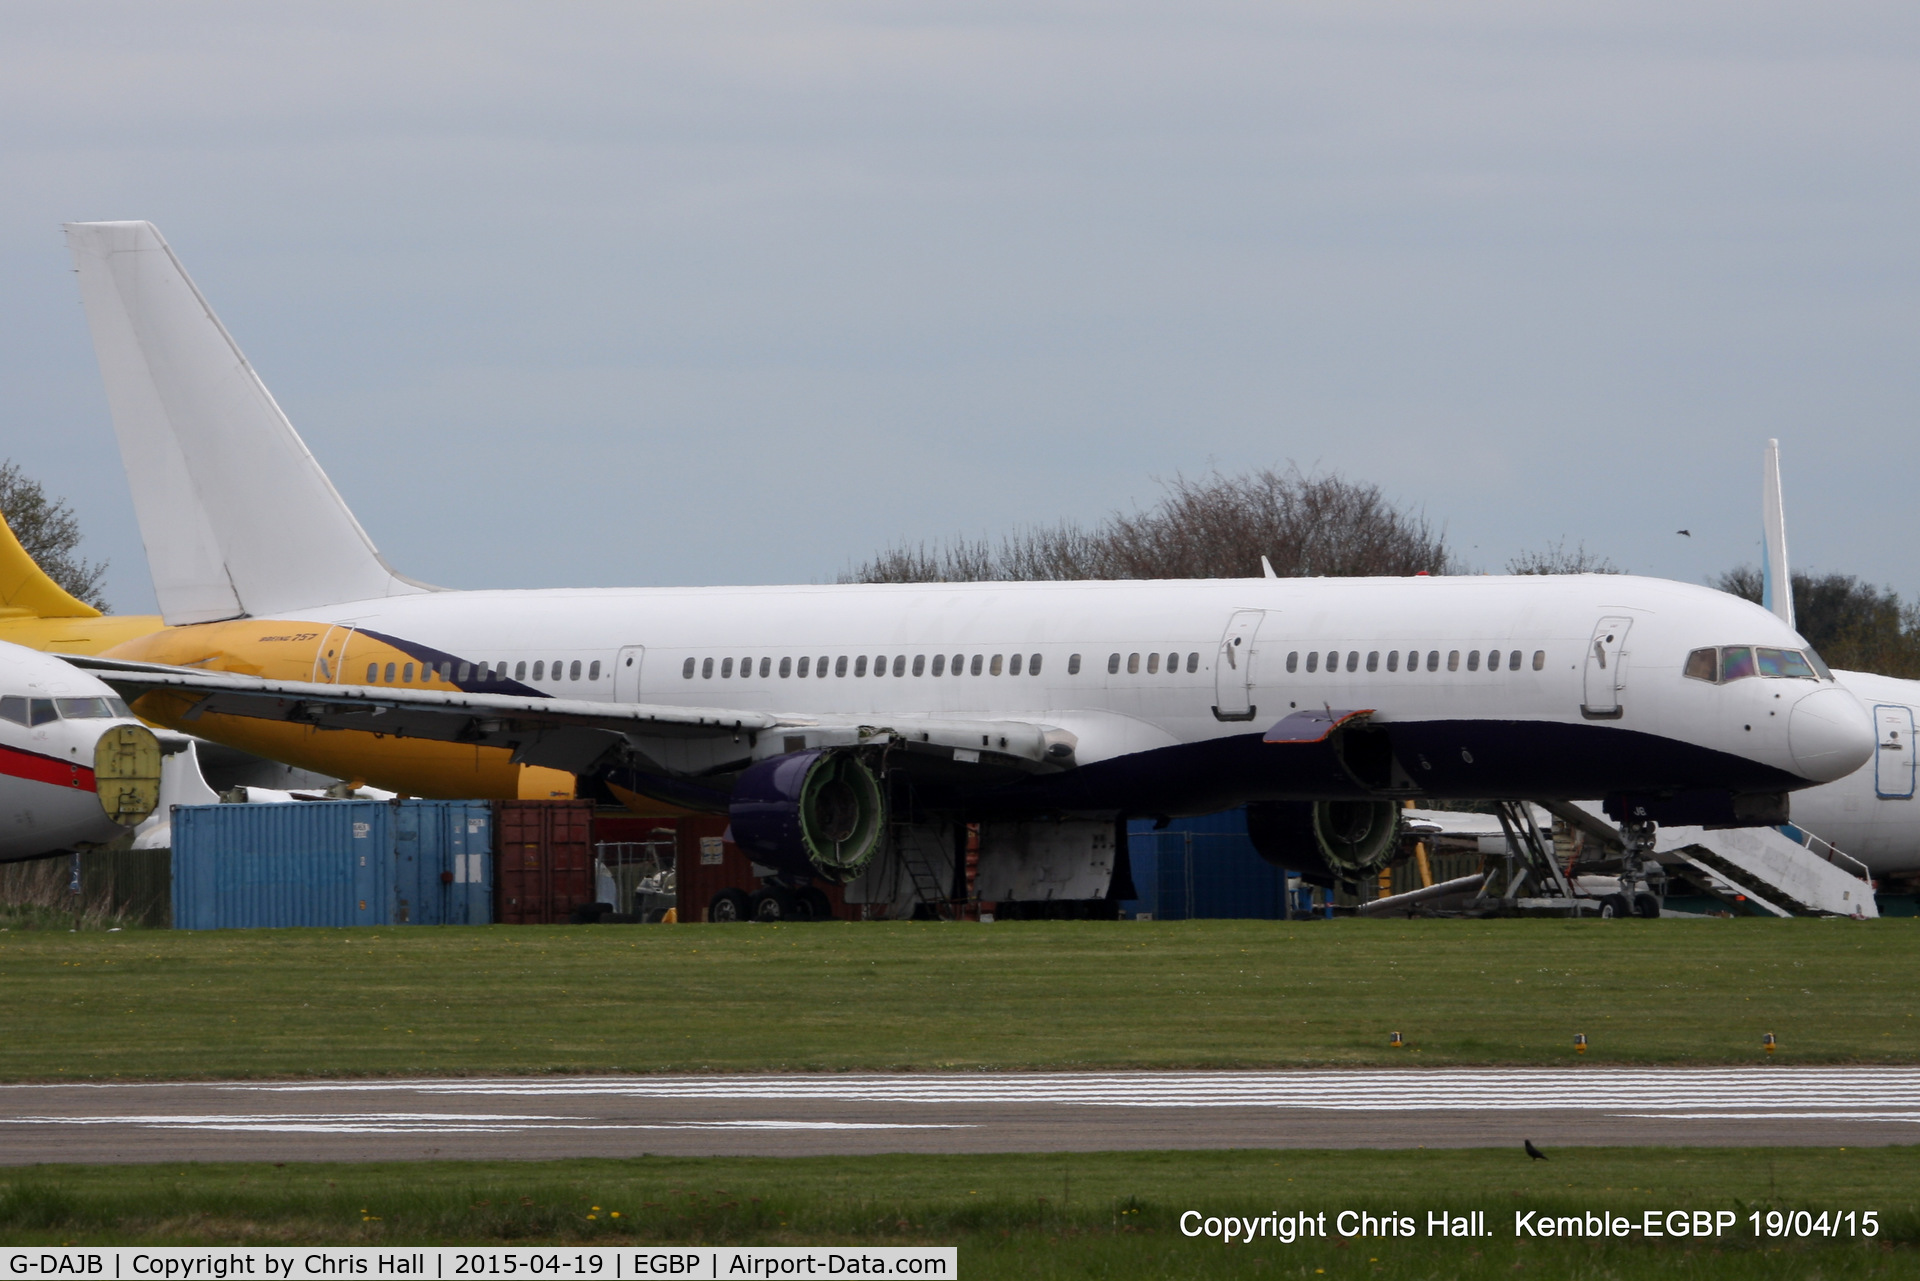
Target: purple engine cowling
818, 812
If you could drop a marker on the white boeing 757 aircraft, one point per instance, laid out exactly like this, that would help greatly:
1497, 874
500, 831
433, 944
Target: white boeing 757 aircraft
829, 720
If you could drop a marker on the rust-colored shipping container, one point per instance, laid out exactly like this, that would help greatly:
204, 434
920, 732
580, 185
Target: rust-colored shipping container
543, 860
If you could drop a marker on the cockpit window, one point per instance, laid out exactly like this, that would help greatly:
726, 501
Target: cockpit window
41, 711
1737, 662
81, 709
13, 708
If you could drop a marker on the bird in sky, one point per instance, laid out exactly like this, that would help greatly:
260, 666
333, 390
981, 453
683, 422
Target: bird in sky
1684, 533
1534, 1152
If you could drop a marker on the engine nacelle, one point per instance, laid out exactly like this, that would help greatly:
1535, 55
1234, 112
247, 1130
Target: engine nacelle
1337, 840
819, 813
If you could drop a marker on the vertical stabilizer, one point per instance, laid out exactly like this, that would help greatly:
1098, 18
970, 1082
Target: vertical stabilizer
237, 517
25, 589
1776, 582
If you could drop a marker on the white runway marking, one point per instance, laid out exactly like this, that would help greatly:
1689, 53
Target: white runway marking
1682, 1093
435, 1123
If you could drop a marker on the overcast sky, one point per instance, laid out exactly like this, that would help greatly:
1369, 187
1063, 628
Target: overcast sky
708, 293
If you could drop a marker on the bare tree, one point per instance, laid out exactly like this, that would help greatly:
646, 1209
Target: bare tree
50, 532
1217, 527
1556, 559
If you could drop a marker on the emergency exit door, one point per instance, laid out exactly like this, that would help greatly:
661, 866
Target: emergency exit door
1233, 667
1893, 757
1606, 669
626, 674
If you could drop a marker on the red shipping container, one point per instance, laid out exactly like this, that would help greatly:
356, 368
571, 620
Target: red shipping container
543, 860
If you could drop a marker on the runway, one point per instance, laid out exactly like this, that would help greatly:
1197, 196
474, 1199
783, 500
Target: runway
553, 1117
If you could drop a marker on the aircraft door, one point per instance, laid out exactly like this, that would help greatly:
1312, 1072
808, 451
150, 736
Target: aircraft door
1233, 667
1893, 758
626, 674
329, 658
1606, 669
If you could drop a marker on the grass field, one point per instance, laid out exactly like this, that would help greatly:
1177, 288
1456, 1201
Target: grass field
1098, 1215
158, 1004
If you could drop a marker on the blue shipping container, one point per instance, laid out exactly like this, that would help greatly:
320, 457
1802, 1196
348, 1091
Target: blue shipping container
443, 863
331, 863
1202, 867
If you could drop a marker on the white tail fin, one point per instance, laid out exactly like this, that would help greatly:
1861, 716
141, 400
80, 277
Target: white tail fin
237, 516
1776, 583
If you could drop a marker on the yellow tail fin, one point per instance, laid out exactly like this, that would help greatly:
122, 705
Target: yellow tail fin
25, 589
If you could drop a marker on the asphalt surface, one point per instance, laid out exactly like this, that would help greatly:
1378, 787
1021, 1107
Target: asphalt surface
551, 1117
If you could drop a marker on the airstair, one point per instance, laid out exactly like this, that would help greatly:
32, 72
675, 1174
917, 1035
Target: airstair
1782, 871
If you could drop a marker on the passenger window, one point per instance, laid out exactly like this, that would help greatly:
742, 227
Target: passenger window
520, 670
1736, 663
1153, 664
1193, 661
686, 670
859, 665
1333, 660
919, 664
1539, 659
1033, 664
1453, 660
593, 672
13, 708
993, 668
766, 667
1373, 661
1313, 660
1353, 660
1433, 660
1293, 661
1173, 663
1703, 665
706, 669
1073, 664
406, 674
786, 668
880, 665
1133, 664
1473, 661
391, 669
804, 667
839, 665
539, 670
900, 665
1014, 664
1113, 664
1513, 661
726, 669
820, 668
40, 711
573, 670
373, 673
939, 664
978, 659
1393, 660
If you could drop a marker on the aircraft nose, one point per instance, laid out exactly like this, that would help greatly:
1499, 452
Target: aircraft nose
1830, 735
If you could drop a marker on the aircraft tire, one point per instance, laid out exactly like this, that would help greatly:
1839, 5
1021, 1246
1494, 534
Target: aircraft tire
771, 904
816, 903
728, 907
1615, 906
1646, 905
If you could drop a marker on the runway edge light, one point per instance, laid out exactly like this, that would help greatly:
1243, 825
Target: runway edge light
1579, 1042
1768, 1041
1395, 1043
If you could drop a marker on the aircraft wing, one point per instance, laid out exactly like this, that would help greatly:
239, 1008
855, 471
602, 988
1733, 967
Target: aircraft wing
563, 733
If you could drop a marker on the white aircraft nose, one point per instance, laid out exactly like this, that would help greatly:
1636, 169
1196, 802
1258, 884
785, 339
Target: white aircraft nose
1830, 734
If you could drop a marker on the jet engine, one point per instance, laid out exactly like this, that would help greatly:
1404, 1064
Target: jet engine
1326, 840
819, 813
